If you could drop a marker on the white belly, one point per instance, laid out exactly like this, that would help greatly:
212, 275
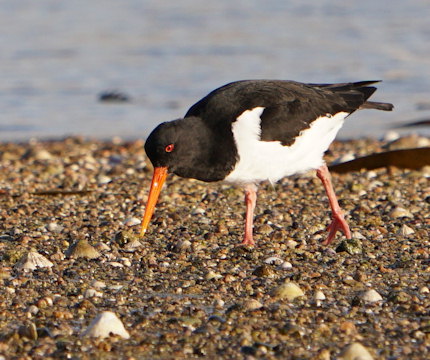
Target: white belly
270, 160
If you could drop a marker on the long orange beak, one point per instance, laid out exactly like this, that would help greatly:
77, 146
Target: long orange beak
160, 174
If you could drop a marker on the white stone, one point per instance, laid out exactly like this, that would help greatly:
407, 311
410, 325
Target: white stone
96, 284
252, 304
54, 227
405, 230
131, 221
344, 158
400, 212
103, 179
43, 154
211, 275
358, 236
286, 265
291, 244
424, 290
371, 296
105, 324
126, 262
273, 260
355, 351
391, 136
90, 293
115, 264
198, 211
288, 291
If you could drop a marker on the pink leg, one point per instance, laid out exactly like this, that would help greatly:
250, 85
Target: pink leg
250, 200
338, 222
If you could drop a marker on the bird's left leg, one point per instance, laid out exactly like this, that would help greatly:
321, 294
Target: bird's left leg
338, 221
250, 200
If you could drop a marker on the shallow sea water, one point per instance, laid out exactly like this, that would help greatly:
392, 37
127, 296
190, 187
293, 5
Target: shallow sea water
57, 57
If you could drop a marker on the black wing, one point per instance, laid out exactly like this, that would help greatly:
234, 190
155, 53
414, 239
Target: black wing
290, 107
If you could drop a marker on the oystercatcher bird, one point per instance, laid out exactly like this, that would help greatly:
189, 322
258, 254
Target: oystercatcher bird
250, 131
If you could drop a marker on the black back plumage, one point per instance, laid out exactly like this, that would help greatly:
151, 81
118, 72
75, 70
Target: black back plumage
290, 107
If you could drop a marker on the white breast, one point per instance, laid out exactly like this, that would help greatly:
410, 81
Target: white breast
270, 160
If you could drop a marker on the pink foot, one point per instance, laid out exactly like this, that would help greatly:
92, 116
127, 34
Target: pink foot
247, 242
338, 223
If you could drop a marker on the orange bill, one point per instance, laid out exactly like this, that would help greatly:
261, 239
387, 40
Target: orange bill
160, 174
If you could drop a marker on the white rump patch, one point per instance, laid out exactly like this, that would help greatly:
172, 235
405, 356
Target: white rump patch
270, 160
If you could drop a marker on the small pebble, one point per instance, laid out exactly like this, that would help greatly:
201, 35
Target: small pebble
291, 244
400, 212
355, 351
264, 229
357, 235
28, 331
288, 291
55, 228
132, 221
219, 303
371, 296
182, 245
128, 240
103, 179
33, 309
263, 271
252, 304
198, 211
101, 246
45, 302
96, 284
391, 136
211, 275
82, 249
115, 264
286, 265
405, 230
90, 293
126, 261
424, 290
273, 260
344, 158
42, 154
351, 246
105, 324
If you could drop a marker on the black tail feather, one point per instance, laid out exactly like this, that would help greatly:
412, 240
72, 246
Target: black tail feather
348, 91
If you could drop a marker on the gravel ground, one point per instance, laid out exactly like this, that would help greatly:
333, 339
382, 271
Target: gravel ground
70, 211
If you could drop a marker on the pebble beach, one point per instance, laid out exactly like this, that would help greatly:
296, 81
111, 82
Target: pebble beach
77, 282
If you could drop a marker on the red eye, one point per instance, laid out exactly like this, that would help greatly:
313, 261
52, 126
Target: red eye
169, 148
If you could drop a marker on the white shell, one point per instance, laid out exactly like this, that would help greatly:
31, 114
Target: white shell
33, 260
355, 351
371, 296
104, 324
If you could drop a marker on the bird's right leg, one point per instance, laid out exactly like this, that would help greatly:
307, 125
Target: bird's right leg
250, 201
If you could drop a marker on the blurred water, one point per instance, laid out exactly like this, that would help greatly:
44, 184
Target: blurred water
57, 56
